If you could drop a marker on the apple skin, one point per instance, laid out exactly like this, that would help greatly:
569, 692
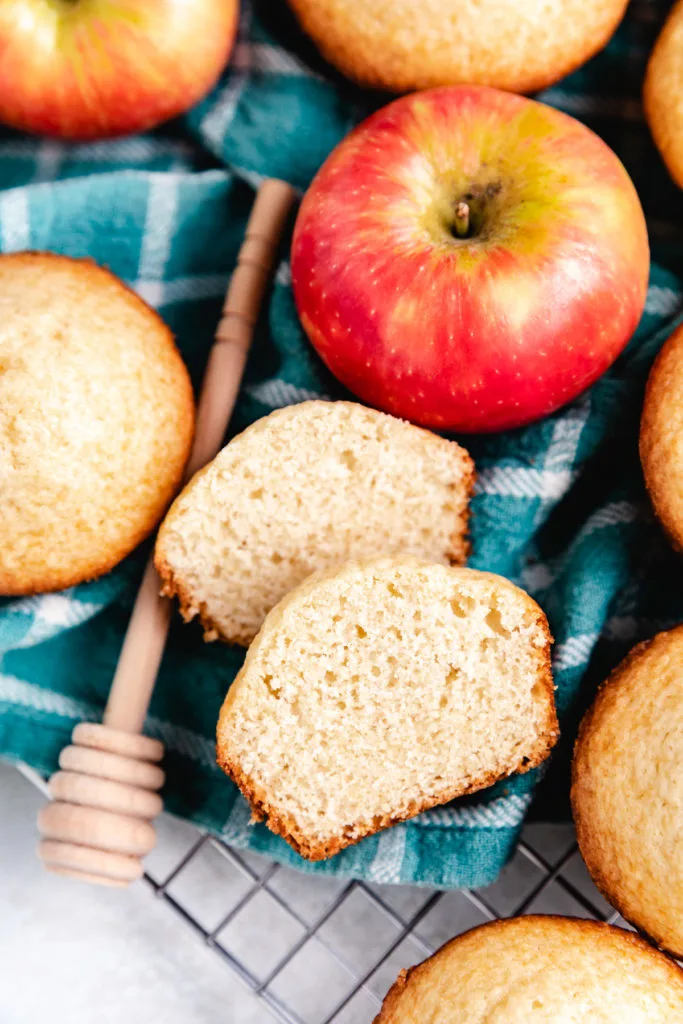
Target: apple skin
481, 333
89, 69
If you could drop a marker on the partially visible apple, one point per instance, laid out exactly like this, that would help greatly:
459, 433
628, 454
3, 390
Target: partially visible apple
470, 259
87, 69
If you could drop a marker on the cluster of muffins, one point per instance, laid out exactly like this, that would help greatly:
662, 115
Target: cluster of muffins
274, 544
94, 391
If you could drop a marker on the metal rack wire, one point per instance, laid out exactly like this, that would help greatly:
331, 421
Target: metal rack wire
549, 873
546, 875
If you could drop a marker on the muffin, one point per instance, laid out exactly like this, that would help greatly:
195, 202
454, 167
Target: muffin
96, 421
663, 93
539, 970
627, 789
661, 437
403, 45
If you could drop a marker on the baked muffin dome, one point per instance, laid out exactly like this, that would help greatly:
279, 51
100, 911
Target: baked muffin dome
627, 789
96, 421
539, 970
403, 45
663, 93
661, 437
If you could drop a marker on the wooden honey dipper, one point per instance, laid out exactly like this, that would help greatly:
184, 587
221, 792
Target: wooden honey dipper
98, 825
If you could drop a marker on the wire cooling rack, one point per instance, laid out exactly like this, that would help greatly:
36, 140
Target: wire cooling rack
314, 949
318, 950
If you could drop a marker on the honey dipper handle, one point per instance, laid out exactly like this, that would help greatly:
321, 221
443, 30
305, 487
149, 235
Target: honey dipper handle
143, 646
140, 657
240, 313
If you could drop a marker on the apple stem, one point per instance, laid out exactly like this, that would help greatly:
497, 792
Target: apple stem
461, 224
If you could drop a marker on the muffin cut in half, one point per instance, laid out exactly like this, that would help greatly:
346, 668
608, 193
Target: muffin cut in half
304, 489
383, 688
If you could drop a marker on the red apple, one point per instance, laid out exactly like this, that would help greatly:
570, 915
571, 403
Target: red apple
470, 259
87, 69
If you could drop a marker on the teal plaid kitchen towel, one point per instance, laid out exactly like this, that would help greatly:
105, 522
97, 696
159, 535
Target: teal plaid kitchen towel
560, 506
